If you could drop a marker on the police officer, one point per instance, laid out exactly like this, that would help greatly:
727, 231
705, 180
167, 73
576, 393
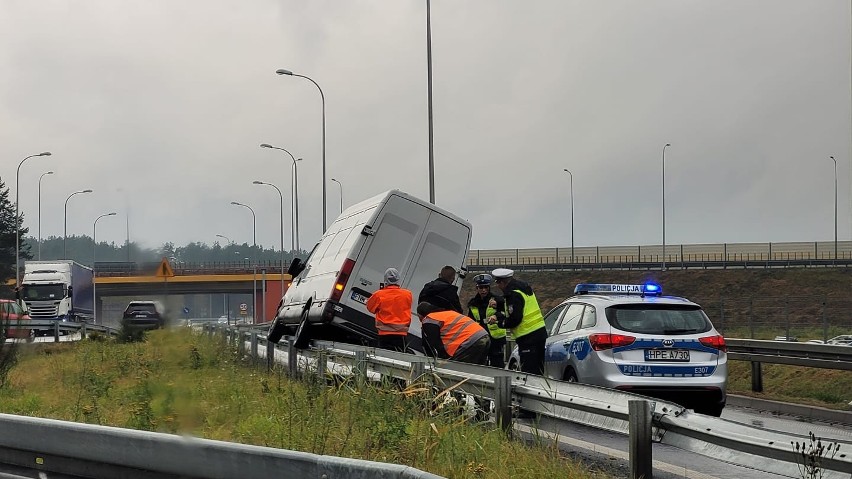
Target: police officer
450, 335
523, 318
392, 306
483, 306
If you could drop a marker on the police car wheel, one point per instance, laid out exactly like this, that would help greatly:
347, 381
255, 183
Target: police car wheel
714, 410
513, 366
570, 376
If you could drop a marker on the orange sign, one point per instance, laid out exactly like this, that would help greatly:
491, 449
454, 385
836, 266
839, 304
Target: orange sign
165, 269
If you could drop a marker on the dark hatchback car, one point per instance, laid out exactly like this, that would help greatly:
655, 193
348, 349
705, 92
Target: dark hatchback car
144, 315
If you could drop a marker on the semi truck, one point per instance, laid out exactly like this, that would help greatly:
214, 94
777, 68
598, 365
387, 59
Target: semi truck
60, 290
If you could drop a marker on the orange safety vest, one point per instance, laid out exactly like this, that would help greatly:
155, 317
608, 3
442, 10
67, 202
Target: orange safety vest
392, 307
457, 330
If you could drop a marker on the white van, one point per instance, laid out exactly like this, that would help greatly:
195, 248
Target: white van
327, 297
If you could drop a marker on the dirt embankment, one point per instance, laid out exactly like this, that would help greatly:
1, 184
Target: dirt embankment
765, 295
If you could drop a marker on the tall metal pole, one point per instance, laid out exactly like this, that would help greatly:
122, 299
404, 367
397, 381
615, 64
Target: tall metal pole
429, 97
571, 178
341, 193
39, 212
94, 277
281, 197
322, 96
835, 207
664, 205
294, 241
254, 254
18, 219
65, 227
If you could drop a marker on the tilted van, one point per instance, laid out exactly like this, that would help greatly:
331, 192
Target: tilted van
328, 295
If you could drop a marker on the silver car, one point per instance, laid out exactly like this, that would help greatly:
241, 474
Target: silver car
630, 337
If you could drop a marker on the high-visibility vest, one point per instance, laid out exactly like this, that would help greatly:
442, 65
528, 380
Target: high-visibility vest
532, 320
495, 331
392, 307
457, 330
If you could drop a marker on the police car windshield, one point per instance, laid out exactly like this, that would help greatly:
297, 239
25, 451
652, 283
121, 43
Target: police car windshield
668, 319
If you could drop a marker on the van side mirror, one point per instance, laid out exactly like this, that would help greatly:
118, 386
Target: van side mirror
296, 267
367, 231
70, 291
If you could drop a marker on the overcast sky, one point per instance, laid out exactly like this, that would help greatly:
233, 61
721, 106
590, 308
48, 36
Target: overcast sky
159, 107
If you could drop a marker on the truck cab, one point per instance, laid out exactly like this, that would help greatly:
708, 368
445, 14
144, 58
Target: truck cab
57, 290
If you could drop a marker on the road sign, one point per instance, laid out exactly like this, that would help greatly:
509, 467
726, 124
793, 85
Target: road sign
243, 307
165, 269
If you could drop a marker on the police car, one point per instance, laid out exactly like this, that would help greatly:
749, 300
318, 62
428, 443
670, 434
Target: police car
630, 337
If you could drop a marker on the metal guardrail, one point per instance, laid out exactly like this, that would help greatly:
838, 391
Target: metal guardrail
536, 264
768, 451
58, 327
827, 356
87, 450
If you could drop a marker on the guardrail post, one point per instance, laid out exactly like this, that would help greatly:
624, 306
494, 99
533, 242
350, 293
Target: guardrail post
361, 367
751, 317
270, 355
503, 402
418, 369
641, 454
292, 358
253, 339
83, 330
824, 324
56, 331
322, 357
756, 377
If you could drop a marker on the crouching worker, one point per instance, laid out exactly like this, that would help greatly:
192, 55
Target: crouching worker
450, 335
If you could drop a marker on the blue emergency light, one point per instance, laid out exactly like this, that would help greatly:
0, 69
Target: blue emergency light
647, 289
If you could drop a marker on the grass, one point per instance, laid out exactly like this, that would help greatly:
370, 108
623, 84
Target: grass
812, 386
180, 382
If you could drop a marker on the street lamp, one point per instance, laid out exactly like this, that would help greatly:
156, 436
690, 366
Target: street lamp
664, 205
225, 237
254, 253
835, 207
322, 95
294, 240
429, 99
39, 212
571, 177
281, 197
94, 278
341, 193
18, 219
65, 228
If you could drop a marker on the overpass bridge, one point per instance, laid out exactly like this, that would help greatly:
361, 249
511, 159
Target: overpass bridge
141, 280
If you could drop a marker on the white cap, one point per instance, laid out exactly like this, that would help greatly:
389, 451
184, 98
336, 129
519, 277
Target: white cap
391, 276
502, 273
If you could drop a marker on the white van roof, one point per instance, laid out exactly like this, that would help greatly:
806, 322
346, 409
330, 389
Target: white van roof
378, 199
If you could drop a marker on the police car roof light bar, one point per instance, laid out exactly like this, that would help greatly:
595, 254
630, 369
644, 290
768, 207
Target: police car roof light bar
647, 289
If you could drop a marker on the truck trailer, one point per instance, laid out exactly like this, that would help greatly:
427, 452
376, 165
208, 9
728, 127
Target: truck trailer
59, 290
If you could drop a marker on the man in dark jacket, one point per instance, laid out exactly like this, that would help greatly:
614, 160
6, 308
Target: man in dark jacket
442, 292
523, 318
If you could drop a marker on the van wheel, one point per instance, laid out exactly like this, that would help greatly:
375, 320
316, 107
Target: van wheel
276, 331
303, 338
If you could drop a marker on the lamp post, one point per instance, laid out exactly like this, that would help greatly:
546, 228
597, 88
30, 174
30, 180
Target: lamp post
39, 211
18, 219
294, 240
571, 179
224, 297
341, 193
664, 205
94, 276
322, 96
281, 197
65, 228
429, 99
835, 207
225, 237
254, 254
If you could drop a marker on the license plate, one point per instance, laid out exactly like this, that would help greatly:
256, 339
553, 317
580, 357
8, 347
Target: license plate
359, 297
667, 355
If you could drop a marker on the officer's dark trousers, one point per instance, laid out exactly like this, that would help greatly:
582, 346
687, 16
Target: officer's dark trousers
531, 351
497, 353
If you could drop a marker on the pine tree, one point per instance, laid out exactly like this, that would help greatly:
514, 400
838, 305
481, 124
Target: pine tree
7, 240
